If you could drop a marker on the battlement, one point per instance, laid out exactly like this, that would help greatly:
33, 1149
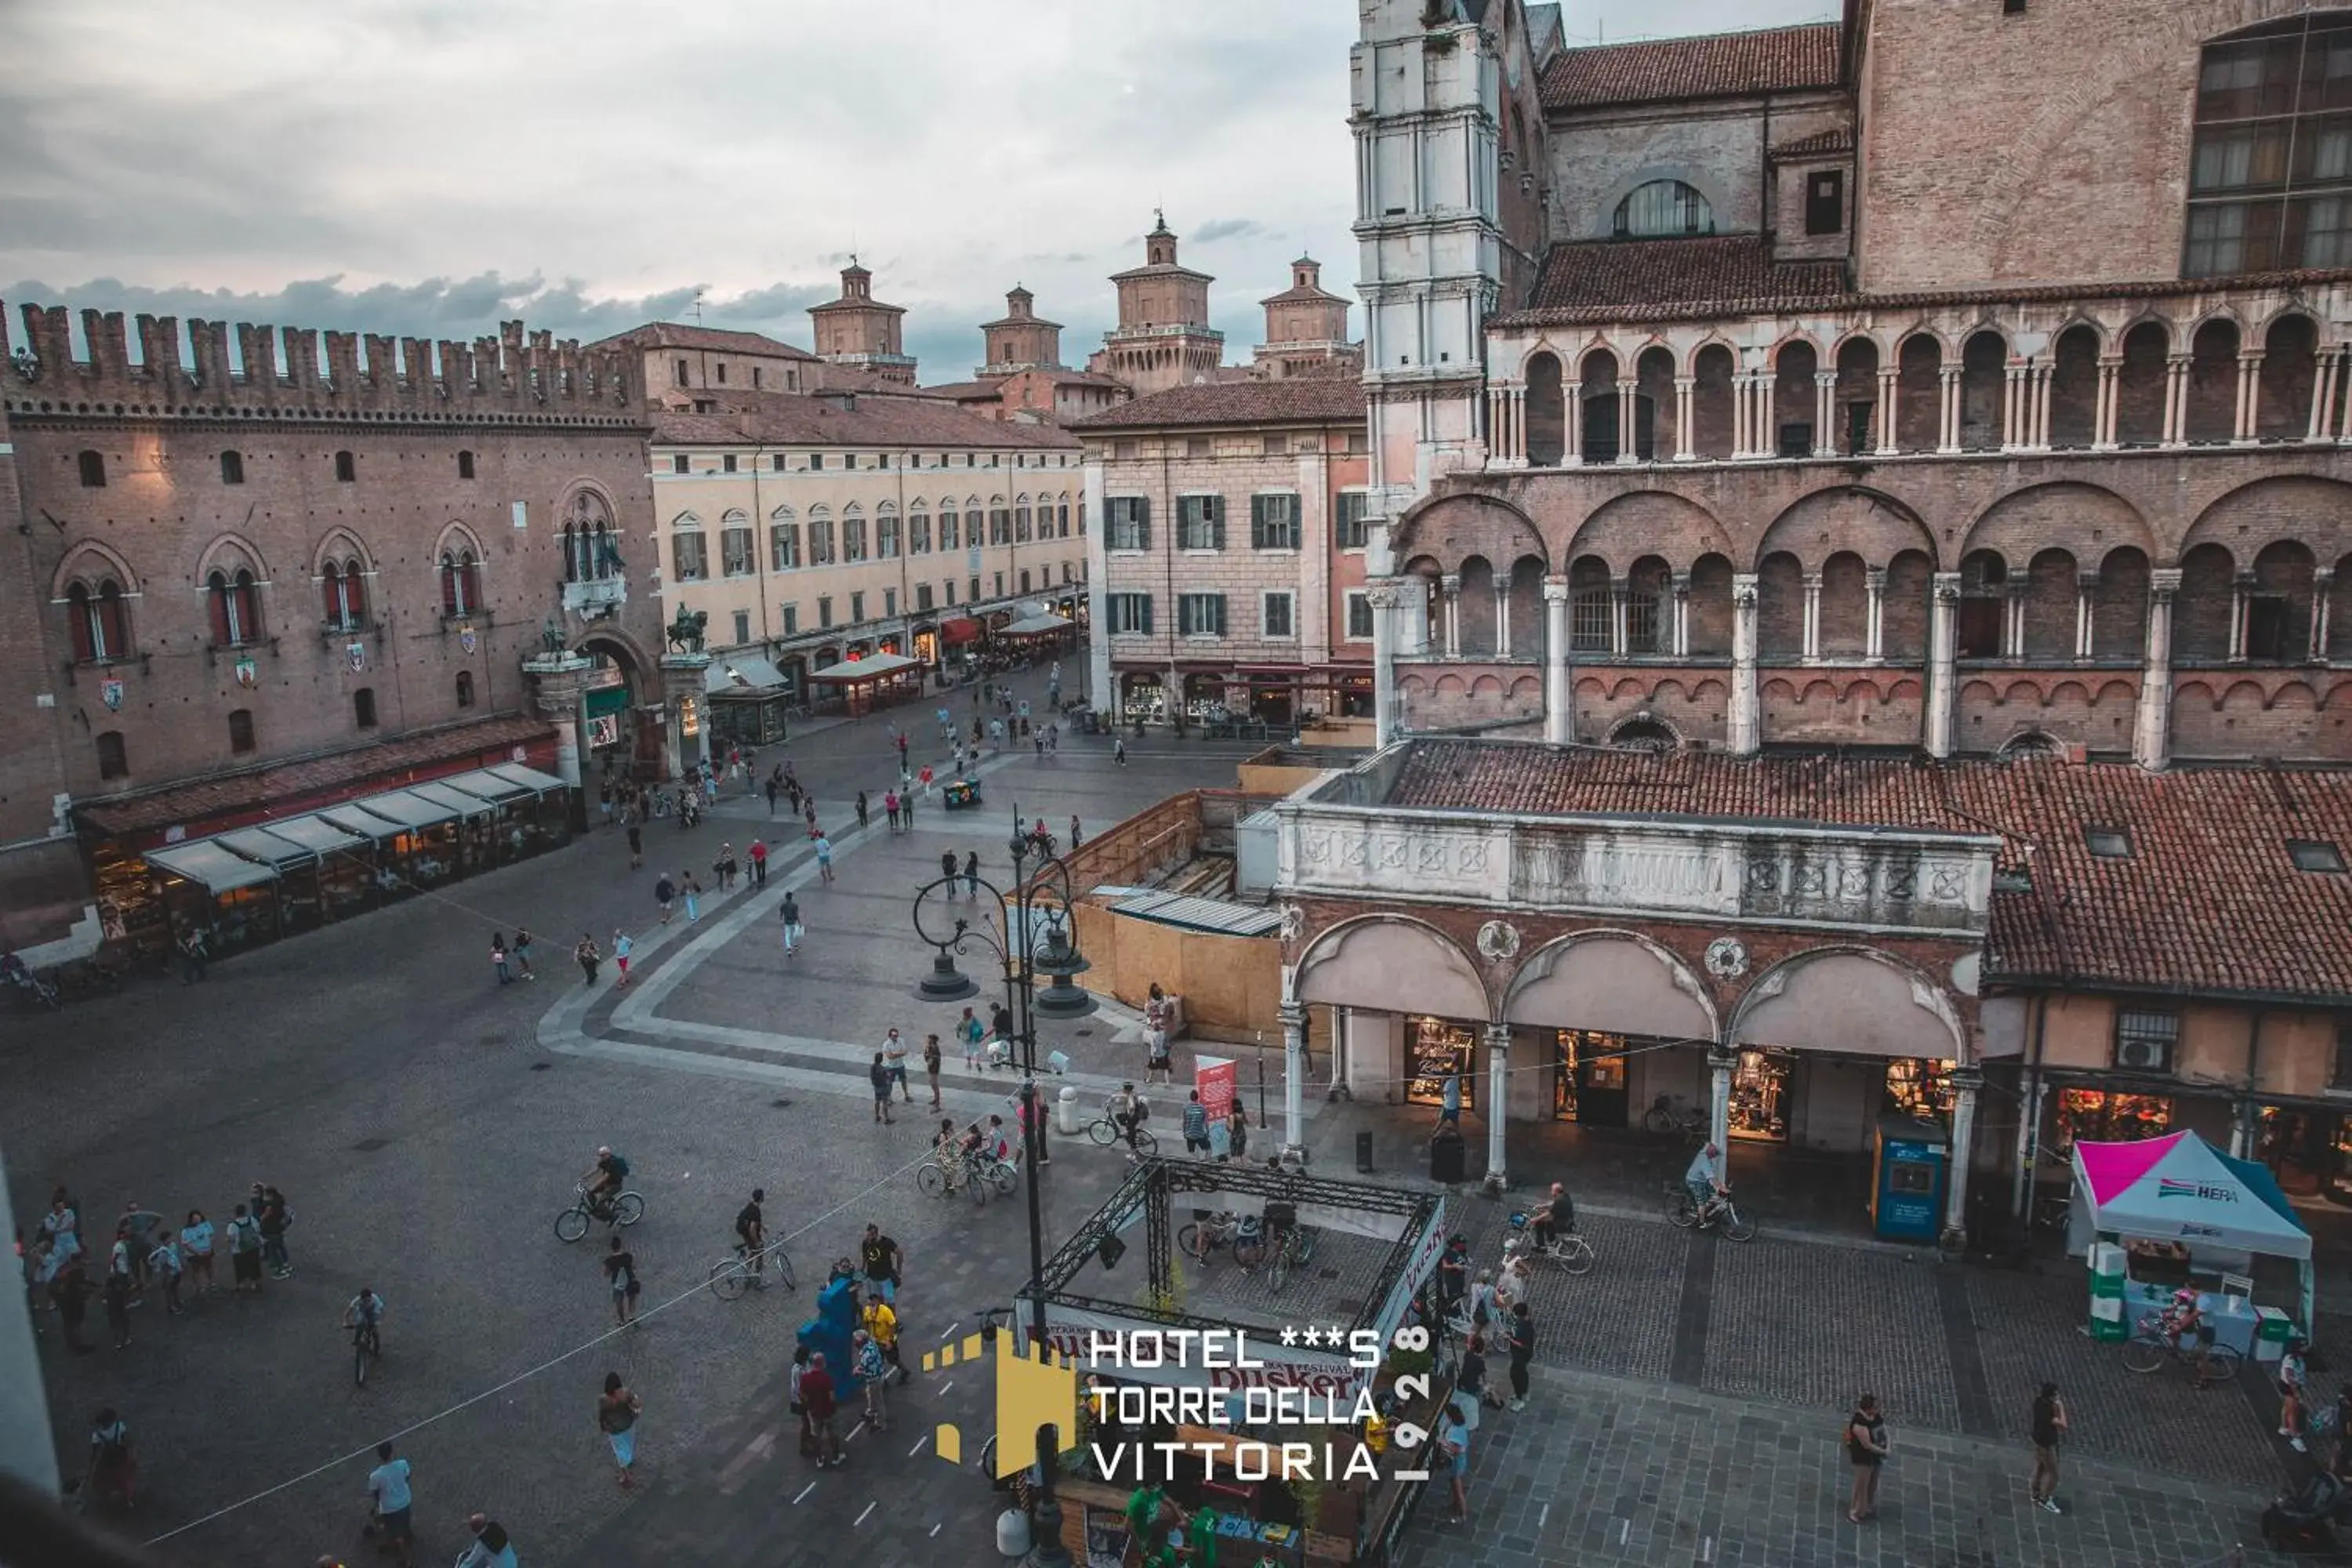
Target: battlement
515, 377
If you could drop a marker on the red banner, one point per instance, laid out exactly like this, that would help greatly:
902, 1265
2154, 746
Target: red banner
1217, 1079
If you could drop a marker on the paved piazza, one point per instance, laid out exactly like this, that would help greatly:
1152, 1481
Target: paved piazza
426, 1126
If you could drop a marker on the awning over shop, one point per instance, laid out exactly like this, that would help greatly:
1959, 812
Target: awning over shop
442, 792
1036, 626
356, 818
747, 672
208, 863
267, 847
961, 629
409, 809
530, 778
488, 786
317, 835
875, 666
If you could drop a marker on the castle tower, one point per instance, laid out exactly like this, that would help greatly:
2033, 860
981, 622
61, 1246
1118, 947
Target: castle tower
1163, 338
1020, 340
1307, 329
861, 331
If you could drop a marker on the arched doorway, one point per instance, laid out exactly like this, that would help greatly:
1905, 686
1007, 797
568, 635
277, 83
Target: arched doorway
623, 720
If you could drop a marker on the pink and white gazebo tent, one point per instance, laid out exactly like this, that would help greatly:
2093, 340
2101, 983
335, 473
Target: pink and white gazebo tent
2181, 1189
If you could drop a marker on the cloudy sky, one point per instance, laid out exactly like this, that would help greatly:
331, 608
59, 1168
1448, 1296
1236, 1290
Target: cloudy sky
433, 166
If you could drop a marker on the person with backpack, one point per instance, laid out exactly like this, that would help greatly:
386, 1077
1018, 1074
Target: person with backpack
113, 1460
244, 1252
277, 1217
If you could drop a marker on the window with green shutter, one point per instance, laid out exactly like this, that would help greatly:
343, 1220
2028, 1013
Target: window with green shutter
1200, 522
1348, 525
1130, 521
1273, 521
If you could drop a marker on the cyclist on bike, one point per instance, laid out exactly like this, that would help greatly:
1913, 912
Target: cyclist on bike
602, 1180
2192, 1337
1705, 1180
367, 1313
1557, 1214
751, 1237
1127, 1112
997, 1143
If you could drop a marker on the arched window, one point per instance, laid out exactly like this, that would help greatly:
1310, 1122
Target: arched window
240, 730
344, 591
465, 465
1662, 208
2269, 181
234, 600
232, 468
347, 469
465, 689
461, 581
93, 470
111, 761
100, 629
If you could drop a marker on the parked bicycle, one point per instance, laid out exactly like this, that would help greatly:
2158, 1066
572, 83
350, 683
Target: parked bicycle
1668, 1116
1200, 1241
1106, 1132
626, 1208
1720, 1214
749, 1270
1290, 1245
1567, 1247
2153, 1343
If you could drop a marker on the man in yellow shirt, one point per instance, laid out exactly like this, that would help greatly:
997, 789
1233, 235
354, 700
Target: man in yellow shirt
882, 1323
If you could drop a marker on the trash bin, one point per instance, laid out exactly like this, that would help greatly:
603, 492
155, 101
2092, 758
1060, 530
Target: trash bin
1364, 1152
1066, 1113
1449, 1157
2273, 1328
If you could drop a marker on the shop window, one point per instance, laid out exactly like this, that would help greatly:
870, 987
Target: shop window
1759, 1096
114, 762
1435, 1050
2096, 1116
465, 689
1588, 1080
1919, 1087
2144, 1041
363, 707
240, 730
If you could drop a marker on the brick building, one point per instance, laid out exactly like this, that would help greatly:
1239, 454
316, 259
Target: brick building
856, 332
256, 580
1024, 377
1778, 389
1163, 338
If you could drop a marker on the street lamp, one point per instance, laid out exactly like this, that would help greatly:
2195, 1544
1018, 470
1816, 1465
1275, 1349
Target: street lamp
1037, 934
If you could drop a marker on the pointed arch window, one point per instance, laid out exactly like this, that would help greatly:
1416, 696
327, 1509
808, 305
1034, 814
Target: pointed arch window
234, 599
100, 629
344, 588
461, 581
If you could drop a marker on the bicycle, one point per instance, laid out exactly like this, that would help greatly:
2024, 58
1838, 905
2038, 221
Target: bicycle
1665, 1116
1105, 1131
626, 1208
1292, 1248
1566, 1247
2153, 1343
1720, 1213
1201, 1240
730, 1276
367, 1345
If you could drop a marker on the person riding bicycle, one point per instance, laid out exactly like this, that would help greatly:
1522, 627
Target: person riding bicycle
1127, 1114
751, 1236
365, 1311
603, 1180
996, 1142
2184, 1324
1555, 1214
1705, 1180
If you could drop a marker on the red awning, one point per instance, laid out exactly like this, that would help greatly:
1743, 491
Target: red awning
963, 629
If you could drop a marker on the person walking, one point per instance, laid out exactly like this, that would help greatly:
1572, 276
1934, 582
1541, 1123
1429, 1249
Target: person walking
196, 1251
163, 1266
793, 1401
636, 847
2048, 1423
693, 896
883, 1261
665, 894
871, 1371
616, 1416
193, 957
521, 951
604, 799
825, 858
70, 1293
492, 1547
2293, 1381
774, 787
620, 1274
893, 1055
722, 867
277, 1217
970, 1031
931, 1066
1454, 1443
390, 1497
1237, 1132
891, 809
1118, 752
1196, 1125
880, 1075
590, 958
926, 777
759, 862
1158, 1018
862, 819
972, 874
244, 1252
117, 1298
907, 805
1522, 1326
113, 1460
880, 1320
1865, 1447
817, 1398
788, 916
1076, 838
498, 957
621, 948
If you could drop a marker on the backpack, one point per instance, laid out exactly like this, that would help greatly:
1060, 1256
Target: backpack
113, 1444
620, 1172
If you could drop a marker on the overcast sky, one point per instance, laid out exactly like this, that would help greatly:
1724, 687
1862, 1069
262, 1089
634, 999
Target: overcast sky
433, 166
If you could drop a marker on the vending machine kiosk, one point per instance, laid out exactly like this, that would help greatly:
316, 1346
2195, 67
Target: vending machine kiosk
1907, 1174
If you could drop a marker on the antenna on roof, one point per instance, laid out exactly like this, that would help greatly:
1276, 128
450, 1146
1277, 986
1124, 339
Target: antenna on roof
698, 307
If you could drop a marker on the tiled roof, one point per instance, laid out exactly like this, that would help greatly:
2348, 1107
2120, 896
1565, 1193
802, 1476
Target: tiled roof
2207, 901
961, 391
311, 780
788, 420
1719, 273
1293, 400
676, 335
1715, 64
1819, 144
848, 303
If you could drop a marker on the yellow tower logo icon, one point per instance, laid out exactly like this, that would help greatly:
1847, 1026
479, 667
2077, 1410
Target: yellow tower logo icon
1030, 1392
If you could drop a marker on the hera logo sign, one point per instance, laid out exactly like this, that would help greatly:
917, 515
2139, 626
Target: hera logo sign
2167, 1187
1218, 1379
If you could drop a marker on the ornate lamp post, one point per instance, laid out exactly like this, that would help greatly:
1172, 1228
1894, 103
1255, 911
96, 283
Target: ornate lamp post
1034, 934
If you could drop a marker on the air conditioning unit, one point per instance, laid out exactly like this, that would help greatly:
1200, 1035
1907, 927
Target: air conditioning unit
2144, 1056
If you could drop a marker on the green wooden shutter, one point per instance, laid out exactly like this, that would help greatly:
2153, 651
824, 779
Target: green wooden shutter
1216, 505
1142, 505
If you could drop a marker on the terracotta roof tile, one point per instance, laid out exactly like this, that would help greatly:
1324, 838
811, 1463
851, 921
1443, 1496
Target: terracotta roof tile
790, 419
1715, 273
1290, 400
1819, 144
1715, 64
678, 335
313, 782
2207, 902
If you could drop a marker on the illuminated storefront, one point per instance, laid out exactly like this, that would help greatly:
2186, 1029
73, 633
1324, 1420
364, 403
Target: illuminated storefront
1759, 1096
1433, 1048
1589, 1075
2105, 1116
1919, 1087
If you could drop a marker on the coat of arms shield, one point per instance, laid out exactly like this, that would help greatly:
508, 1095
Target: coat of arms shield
357, 653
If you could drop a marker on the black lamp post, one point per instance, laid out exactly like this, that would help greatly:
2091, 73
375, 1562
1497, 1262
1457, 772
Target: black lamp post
1039, 899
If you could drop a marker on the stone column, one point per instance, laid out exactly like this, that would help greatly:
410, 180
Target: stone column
1571, 434
2250, 397
1741, 427
685, 722
1966, 1082
1620, 591
2044, 373
2103, 422
1824, 413
2152, 724
1942, 662
1812, 632
1720, 1060
2012, 621
1743, 723
1684, 386
1948, 425
1890, 383
1294, 1076
1628, 424
2241, 594
1559, 716
2176, 400
2086, 587
2323, 394
2322, 580
1502, 618
558, 683
2013, 406
1498, 1090
1449, 586
1680, 583
1874, 630
1382, 596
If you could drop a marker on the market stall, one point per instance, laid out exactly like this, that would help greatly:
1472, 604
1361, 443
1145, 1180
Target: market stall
864, 684
2184, 1215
